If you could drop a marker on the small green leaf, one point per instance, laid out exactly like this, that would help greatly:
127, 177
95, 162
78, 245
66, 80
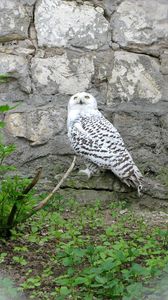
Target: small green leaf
62, 281
4, 108
2, 124
2, 257
80, 280
64, 291
67, 261
135, 290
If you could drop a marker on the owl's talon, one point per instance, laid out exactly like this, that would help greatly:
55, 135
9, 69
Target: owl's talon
58, 176
85, 172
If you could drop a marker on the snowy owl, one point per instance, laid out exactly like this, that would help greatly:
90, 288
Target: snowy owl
95, 139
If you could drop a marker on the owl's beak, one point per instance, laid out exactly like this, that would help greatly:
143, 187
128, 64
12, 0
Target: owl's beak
80, 102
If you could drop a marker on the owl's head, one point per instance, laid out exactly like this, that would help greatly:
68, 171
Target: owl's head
82, 101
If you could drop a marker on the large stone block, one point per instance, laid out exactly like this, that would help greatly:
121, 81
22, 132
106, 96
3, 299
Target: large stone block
64, 23
70, 71
62, 73
14, 20
16, 66
141, 25
37, 126
135, 76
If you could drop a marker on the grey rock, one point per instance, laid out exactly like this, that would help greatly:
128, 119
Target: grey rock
69, 72
88, 196
164, 129
68, 24
14, 20
17, 47
141, 25
12, 94
107, 187
164, 62
62, 74
115, 46
32, 125
103, 64
16, 66
135, 76
28, 2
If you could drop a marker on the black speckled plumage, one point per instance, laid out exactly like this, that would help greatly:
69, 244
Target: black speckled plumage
94, 138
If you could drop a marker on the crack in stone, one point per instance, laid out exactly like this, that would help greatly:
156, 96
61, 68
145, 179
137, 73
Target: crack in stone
140, 52
87, 189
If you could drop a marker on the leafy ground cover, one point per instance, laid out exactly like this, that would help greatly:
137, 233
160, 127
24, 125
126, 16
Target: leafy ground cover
70, 251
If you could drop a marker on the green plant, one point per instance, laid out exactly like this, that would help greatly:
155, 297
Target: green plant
2, 257
14, 203
5, 150
32, 282
17, 195
20, 260
4, 78
88, 259
16, 200
77, 257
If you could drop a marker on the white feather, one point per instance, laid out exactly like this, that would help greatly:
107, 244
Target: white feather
98, 141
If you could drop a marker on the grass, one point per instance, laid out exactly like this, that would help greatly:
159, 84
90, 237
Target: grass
70, 251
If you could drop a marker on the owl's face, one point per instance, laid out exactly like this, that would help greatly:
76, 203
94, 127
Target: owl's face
82, 101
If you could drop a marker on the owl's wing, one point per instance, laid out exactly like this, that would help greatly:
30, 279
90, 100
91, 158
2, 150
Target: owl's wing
97, 140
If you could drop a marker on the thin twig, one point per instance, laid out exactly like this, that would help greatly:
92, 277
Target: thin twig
45, 201
33, 182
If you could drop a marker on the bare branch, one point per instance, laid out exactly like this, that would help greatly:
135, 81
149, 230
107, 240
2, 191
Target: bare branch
45, 201
33, 182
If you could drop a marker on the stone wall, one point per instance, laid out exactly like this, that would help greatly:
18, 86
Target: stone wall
118, 51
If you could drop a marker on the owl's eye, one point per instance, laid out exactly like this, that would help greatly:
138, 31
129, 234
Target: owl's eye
75, 98
87, 97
